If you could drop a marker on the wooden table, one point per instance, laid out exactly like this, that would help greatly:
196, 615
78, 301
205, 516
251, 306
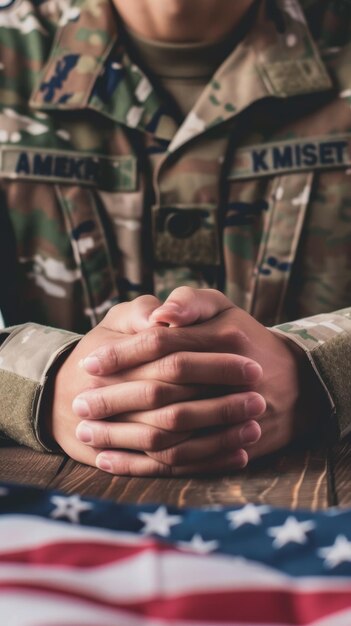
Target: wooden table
295, 478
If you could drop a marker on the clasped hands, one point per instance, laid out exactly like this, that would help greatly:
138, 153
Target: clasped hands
193, 386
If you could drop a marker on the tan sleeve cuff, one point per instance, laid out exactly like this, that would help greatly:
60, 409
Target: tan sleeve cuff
326, 339
26, 354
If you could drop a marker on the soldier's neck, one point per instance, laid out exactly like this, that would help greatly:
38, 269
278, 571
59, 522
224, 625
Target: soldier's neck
182, 20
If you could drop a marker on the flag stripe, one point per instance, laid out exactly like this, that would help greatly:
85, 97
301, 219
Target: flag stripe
19, 532
71, 613
126, 578
73, 561
246, 606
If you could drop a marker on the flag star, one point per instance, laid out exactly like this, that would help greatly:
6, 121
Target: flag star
197, 544
249, 514
70, 507
338, 553
292, 531
159, 522
3, 491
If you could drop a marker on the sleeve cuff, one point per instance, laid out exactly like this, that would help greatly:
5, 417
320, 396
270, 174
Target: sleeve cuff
27, 353
326, 339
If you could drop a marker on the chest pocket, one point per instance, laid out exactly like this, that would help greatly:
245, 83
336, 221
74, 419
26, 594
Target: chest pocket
68, 233
296, 170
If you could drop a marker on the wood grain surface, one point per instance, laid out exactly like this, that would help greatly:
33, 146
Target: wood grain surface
295, 478
340, 474
22, 465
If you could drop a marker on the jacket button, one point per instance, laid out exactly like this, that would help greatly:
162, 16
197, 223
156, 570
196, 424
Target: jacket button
182, 224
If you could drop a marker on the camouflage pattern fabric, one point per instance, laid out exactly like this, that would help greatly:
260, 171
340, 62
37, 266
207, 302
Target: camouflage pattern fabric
106, 196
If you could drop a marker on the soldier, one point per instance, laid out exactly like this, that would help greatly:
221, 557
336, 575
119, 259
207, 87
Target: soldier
200, 152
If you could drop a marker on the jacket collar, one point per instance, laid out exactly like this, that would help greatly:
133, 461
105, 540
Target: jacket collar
277, 58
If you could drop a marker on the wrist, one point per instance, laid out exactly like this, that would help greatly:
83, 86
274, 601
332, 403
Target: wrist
49, 402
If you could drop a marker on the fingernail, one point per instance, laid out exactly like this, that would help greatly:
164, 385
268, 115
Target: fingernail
92, 364
250, 433
252, 372
81, 407
103, 464
254, 406
84, 433
240, 459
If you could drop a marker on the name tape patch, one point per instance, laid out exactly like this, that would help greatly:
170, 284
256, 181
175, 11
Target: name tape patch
292, 156
108, 173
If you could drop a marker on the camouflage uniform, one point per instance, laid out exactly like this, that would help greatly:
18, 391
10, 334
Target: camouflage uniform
105, 196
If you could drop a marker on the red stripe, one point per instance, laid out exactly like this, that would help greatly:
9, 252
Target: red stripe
81, 554
246, 607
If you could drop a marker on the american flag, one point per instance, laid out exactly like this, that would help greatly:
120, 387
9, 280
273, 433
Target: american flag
69, 560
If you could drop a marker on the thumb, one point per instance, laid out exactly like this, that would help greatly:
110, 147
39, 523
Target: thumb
131, 317
186, 306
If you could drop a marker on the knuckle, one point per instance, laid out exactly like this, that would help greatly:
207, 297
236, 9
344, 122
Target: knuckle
123, 467
153, 341
174, 366
93, 383
225, 333
170, 456
226, 413
228, 336
172, 418
151, 440
100, 405
154, 395
104, 437
140, 301
110, 356
228, 369
111, 313
165, 471
239, 338
183, 293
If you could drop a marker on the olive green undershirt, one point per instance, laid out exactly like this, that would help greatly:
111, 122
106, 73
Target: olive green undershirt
183, 70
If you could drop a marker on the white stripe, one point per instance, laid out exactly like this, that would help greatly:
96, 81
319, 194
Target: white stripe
147, 574
139, 576
27, 532
22, 609
337, 619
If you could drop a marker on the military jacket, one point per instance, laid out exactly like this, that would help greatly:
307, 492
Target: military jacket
106, 194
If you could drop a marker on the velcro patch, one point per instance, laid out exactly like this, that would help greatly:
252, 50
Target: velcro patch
286, 78
297, 155
118, 173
